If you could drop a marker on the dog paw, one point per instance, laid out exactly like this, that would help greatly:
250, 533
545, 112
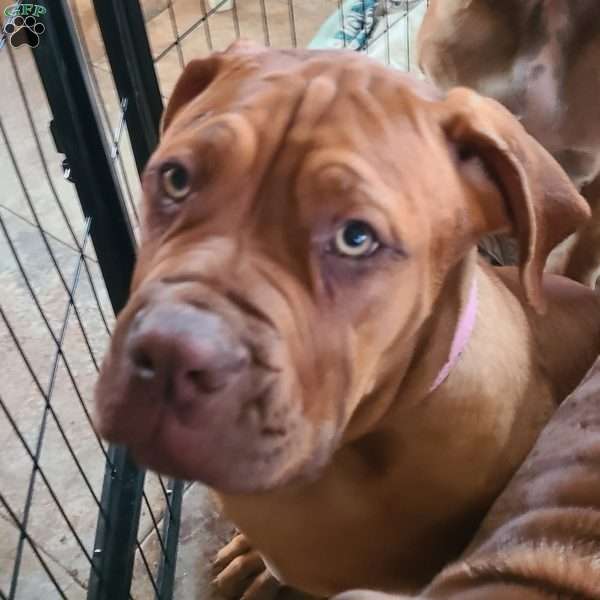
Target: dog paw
24, 31
241, 573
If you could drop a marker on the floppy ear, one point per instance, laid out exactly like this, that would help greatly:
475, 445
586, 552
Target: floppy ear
542, 204
196, 77
199, 74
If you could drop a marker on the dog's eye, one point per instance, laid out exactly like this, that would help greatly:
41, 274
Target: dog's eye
176, 181
356, 239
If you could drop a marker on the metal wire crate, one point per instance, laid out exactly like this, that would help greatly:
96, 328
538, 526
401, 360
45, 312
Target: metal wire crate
78, 119
69, 178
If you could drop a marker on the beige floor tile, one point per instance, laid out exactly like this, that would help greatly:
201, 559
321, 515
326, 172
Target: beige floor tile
273, 23
33, 582
26, 404
168, 70
161, 32
23, 144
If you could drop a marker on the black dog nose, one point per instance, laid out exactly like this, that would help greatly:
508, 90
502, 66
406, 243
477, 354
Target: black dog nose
183, 352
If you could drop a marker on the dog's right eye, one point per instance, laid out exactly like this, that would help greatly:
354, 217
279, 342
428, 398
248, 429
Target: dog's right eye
355, 239
176, 181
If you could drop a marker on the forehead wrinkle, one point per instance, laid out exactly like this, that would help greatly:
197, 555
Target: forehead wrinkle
385, 105
407, 119
318, 98
372, 125
384, 122
275, 204
324, 85
272, 165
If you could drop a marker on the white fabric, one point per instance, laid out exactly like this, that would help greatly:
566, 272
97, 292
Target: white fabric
392, 38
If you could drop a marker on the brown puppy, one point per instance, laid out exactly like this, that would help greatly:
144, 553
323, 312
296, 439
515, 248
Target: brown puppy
307, 279
541, 540
540, 59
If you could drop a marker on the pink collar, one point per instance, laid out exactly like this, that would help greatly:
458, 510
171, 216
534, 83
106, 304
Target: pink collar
462, 335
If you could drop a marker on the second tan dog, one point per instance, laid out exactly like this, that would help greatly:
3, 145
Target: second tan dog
540, 59
310, 331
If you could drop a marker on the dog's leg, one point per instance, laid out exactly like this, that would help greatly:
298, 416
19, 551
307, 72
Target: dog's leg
240, 572
583, 264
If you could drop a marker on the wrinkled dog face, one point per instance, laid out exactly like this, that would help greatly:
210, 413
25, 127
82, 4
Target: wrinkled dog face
290, 217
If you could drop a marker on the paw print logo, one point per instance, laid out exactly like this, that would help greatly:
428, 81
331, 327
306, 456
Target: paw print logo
24, 31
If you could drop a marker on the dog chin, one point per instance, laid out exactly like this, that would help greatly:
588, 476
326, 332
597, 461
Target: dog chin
246, 477
237, 470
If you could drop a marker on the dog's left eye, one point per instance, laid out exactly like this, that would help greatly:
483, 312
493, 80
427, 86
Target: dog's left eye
176, 181
356, 239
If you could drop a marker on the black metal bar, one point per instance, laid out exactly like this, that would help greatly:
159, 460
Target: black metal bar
116, 535
128, 50
64, 76
171, 524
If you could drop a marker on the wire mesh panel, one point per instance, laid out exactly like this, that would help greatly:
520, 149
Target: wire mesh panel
54, 322
68, 178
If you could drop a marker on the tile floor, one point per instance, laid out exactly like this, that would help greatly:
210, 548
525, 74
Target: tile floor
32, 192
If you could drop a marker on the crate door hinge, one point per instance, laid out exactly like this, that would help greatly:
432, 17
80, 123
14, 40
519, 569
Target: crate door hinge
60, 148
